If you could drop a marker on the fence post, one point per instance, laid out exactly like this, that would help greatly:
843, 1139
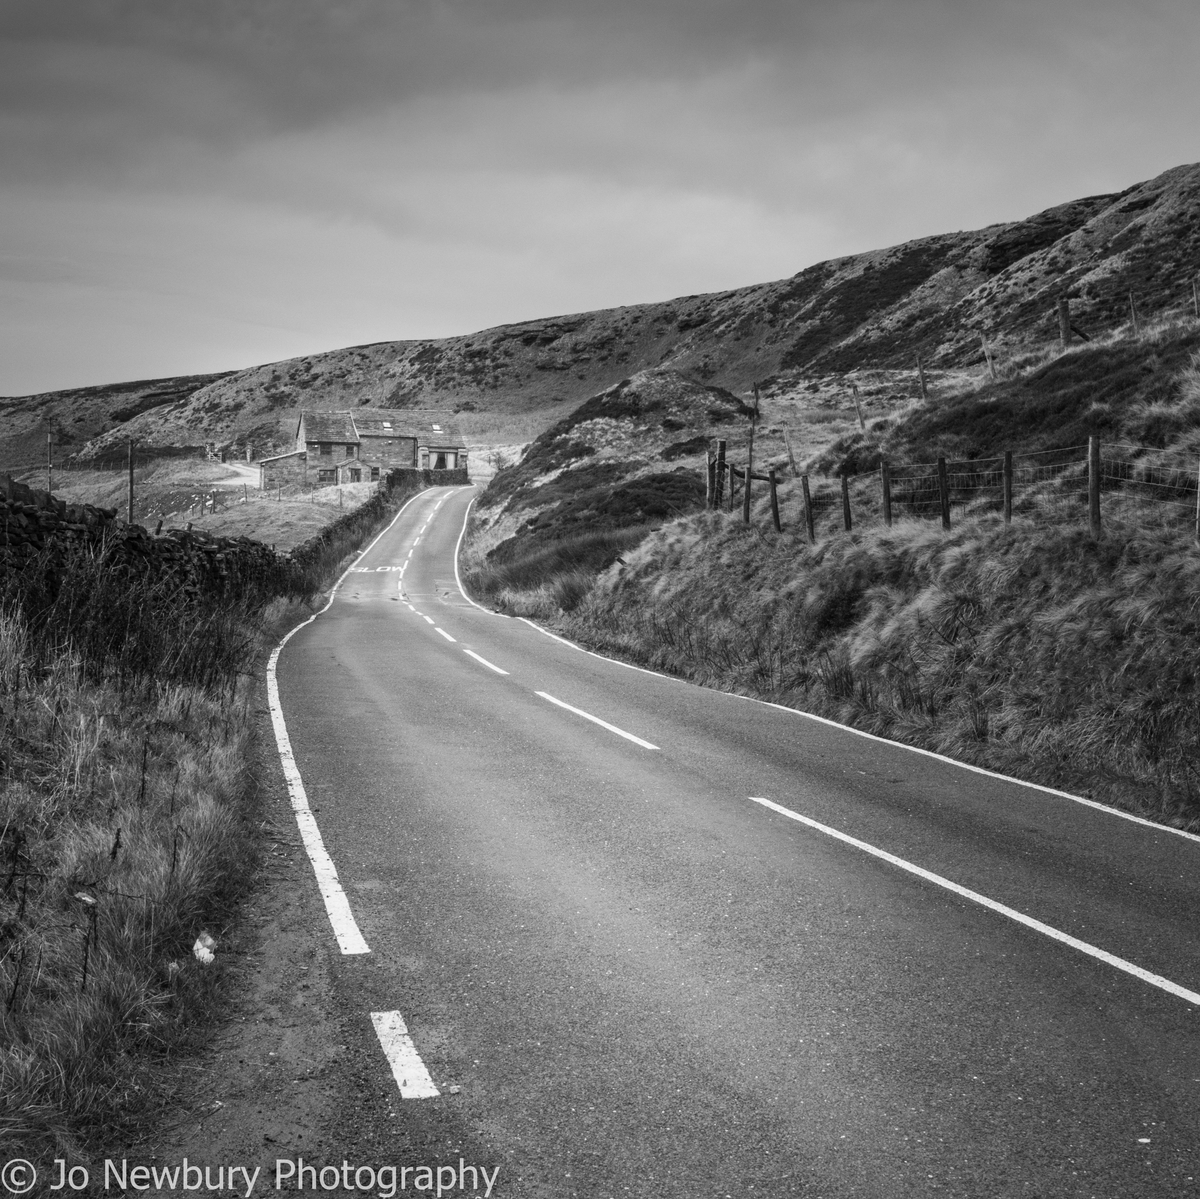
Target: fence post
710, 482
746, 495
791, 457
862, 424
921, 375
987, 353
846, 502
774, 500
50, 462
1094, 484
1008, 485
1064, 322
885, 475
130, 452
720, 473
1195, 300
1198, 506
1133, 315
944, 492
808, 516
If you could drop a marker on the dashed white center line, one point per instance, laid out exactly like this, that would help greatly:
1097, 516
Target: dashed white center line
484, 661
612, 728
443, 633
428, 618
1155, 980
407, 1068
416, 542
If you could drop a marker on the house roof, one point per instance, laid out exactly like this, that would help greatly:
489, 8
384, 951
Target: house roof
328, 426
439, 431
375, 422
352, 426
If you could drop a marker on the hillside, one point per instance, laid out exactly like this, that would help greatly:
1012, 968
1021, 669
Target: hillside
936, 296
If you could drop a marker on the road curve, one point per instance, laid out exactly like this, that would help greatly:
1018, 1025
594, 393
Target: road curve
624, 974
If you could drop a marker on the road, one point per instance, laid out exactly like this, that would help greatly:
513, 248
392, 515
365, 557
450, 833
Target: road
601, 964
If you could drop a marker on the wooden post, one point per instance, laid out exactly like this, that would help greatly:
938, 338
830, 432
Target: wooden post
1008, 486
1064, 322
862, 424
746, 495
885, 475
791, 457
710, 482
921, 374
774, 500
720, 473
846, 502
1195, 300
808, 515
50, 462
130, 452
987, 353
1198, 506
1133, 316
944, 492
1094, 484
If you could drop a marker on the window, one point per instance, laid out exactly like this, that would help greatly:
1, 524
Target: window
374, 474
312, 445
326, 449
327, 476
349, 451
356, 475
440, 464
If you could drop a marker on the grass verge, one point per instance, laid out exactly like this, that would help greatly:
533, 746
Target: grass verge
128, 828
1030, 649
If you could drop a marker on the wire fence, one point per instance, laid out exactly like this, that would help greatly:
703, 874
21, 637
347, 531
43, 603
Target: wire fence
1071, 483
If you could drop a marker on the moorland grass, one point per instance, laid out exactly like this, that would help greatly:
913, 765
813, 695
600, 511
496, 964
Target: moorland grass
127, 826
1028, 648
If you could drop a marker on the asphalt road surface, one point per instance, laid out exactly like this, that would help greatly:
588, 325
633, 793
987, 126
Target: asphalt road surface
599, 964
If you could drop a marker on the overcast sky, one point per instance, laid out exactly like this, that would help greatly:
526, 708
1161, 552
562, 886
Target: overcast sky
195, 185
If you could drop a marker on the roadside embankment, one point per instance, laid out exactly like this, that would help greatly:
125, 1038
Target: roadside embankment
129, 828
1026, 649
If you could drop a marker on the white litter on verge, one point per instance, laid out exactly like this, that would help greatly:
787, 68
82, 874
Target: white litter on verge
407, 1068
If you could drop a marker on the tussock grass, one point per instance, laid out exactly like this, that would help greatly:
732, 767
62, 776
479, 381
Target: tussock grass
124, 829
127, 824
1028, 649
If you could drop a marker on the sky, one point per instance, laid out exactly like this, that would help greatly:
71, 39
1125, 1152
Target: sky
201, 185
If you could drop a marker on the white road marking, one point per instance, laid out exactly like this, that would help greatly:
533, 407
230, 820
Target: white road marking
612, 728
1155, 980
349, 938
912, 749
407, 1068
458, 577
416, 542
424, 617
484, 661
444, 633
337, 906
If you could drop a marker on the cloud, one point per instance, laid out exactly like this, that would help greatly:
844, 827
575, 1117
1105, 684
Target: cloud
463, 162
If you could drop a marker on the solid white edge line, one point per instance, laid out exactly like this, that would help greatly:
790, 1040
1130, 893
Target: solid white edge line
443, 633
484, 661
407, 1067
1047, 930
913, 749
337, 906
458, 577
612, 728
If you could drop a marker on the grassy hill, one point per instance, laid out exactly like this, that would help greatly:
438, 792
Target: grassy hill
819, 329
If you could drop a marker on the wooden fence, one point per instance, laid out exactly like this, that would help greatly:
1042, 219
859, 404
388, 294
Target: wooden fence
1060, 484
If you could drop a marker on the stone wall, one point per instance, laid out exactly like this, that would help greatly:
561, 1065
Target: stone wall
39, 532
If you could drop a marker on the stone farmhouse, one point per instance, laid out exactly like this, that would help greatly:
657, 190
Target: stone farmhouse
357, 446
